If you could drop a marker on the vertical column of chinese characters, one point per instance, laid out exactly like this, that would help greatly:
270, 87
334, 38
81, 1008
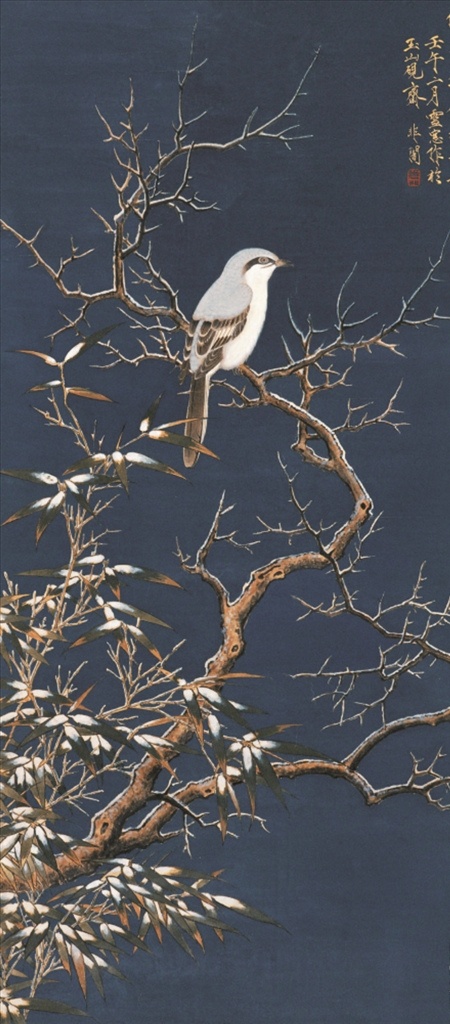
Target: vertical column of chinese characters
413, 99
436, 115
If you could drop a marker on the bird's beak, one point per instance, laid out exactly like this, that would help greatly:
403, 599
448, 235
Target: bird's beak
284, 263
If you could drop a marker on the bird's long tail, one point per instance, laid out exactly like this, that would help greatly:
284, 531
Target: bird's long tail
197, 414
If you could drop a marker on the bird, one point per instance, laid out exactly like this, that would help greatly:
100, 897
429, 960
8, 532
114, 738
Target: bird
225, 328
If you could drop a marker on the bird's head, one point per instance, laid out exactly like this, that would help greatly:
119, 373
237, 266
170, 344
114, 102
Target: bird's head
255, 266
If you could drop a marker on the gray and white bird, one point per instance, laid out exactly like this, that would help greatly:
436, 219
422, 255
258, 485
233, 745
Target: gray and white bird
225, 329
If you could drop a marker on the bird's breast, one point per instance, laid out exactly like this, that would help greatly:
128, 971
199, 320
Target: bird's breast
238, 351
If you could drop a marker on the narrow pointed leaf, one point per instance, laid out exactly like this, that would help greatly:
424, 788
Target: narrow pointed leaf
91, 560
107, 627
249, 773
224, 705
175, 931
144, 640
90, 462
112, 581
94, 973
272, 746
47, 855
99, 479
272, 730
40, 355
37, 936
102, 728
54, 1006
130, 609
27, 510
158, 434
49, 514
150, 575
63, 952
120, 467
195, 712
32, 476
240, 675
82, 697
81, 749
86, 393
5, 655
222, 804
217, 741
131, 938
32, 652
233, 798
244, 908
80, 968
74, 489
46, 384
268, 774
149, 416
145, 462
88, 342
52, 573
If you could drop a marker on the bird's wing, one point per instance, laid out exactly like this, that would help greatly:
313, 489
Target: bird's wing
187, 350
209, 340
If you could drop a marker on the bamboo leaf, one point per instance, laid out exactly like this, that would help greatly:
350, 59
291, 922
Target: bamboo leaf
158, 434
63, 952
149, 575
249, 773
240, 675
88, 342
218, 701
106, 627
48, 856
96, 977
145, 462
54, 1006
40, 355
143, 639
175, 931
86, 393
130, 609
80, 747
120, 467
37, 936
149, 416
217, 741
27, 510
49, 514
46, 384
33, 477
32, 652
195, 712
74, 489
222, 803
273, 746
91, 479
90, 462
52, 573
272, 730
268, 773
80, 968
244, 908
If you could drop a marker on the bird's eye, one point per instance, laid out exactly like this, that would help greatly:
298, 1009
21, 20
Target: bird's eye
264, 260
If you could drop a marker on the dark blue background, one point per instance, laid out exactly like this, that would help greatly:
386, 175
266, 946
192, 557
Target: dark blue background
363, 893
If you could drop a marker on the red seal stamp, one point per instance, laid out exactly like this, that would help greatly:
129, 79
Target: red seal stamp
413, 177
